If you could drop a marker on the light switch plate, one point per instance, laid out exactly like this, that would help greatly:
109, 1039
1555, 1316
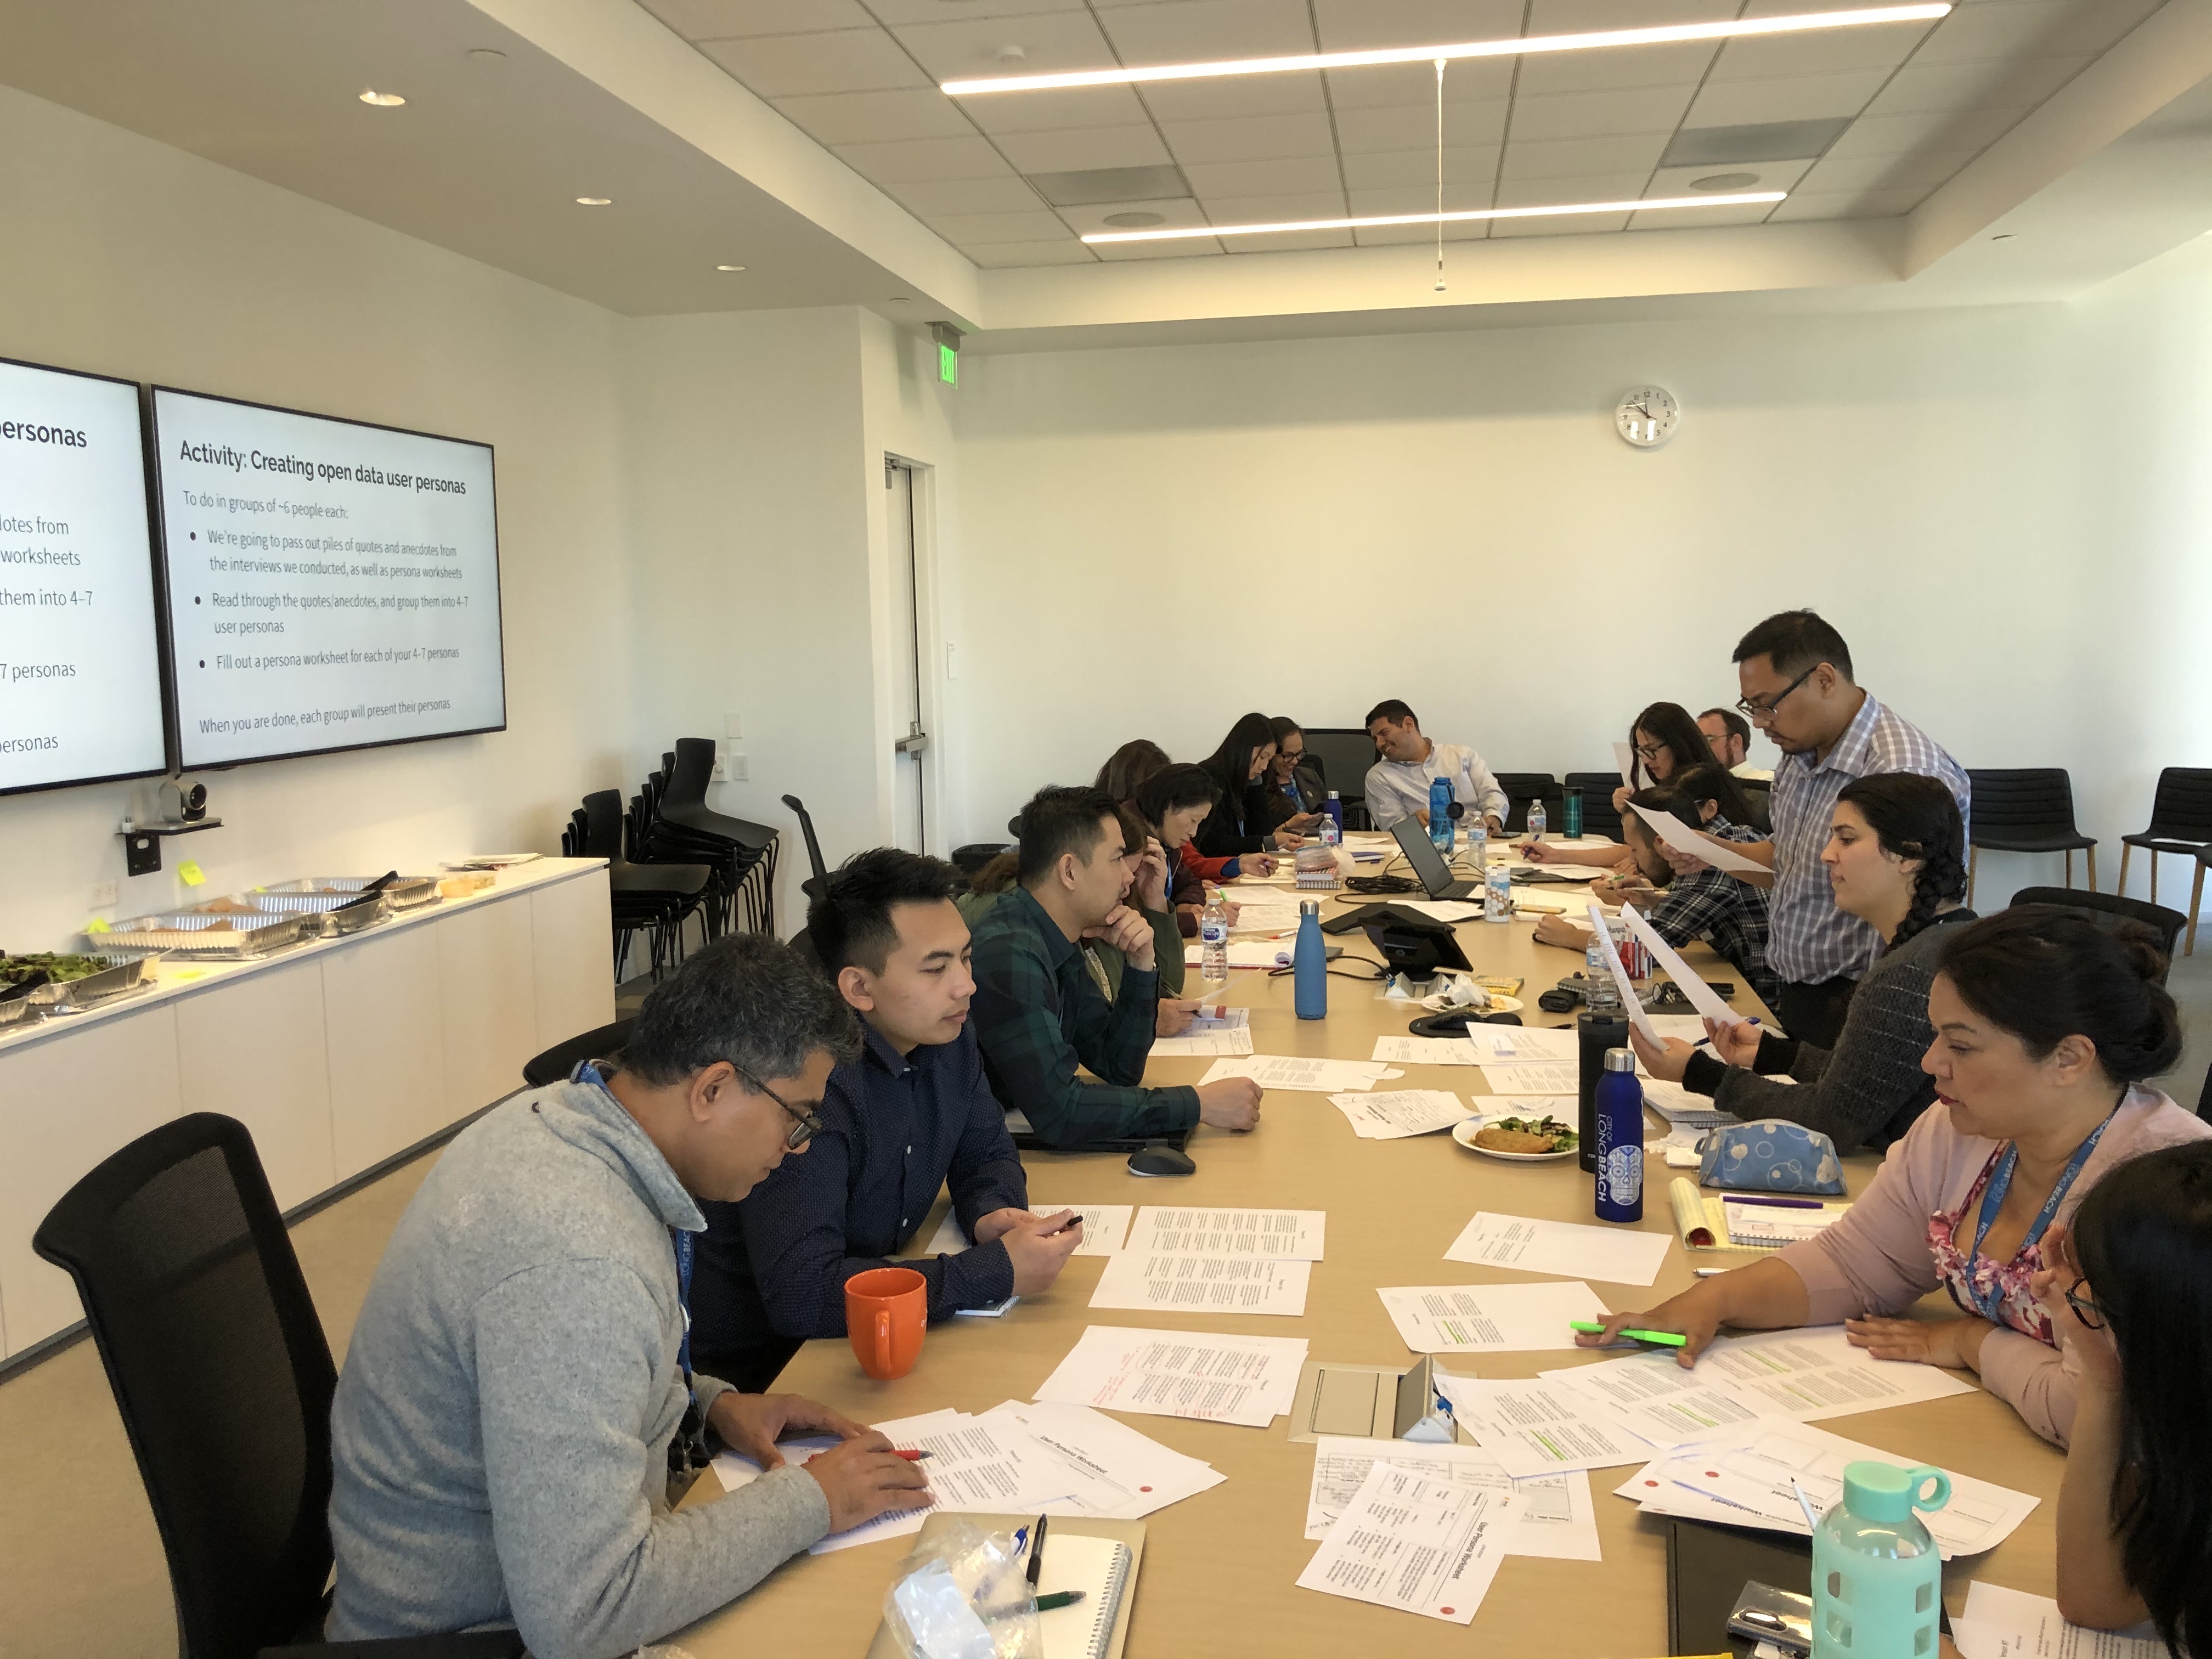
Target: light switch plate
103, 895
733, 724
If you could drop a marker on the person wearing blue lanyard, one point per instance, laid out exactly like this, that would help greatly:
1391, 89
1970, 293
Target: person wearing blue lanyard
518, 1415
2046, 1026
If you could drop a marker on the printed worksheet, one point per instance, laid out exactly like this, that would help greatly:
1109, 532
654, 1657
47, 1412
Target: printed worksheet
2010, 1624
1621, 1256
1548, 1076
1341, 1466
1199, 1041
1103, 1228
1292, 1235
1110, 1469
1660, 1401
1249, 1380
1170, 1282
1523, 1045
1414, 1542
1394, 1113
1535, 1427
1318, 1077
1426, 1051
1490, 1318
1816, 1373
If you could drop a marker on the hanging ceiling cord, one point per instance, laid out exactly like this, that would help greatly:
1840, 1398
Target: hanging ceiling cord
1440, 175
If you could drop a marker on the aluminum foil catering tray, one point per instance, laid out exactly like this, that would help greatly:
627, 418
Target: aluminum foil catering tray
329, 892
223, 937
123, 976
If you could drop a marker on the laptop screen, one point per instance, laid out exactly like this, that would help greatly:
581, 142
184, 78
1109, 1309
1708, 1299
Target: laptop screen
1421, 852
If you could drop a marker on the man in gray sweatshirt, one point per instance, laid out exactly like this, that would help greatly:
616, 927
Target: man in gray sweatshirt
517, 1412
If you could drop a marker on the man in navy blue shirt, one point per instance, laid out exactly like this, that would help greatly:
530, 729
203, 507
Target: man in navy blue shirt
913, 1113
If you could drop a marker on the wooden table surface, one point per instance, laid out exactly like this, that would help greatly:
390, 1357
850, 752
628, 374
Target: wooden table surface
1220, 1568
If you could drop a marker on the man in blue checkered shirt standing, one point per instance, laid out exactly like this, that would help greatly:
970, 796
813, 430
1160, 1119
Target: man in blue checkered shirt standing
1795, 673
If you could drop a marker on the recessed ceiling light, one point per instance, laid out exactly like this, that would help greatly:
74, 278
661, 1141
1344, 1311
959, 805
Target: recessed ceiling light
1512, 47
1658, 204
595, 201
1132, 220
382, 100
1713, 181
729, 267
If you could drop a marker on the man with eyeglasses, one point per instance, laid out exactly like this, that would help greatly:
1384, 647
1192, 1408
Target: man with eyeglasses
911, 1114
1795, 674
519, 1411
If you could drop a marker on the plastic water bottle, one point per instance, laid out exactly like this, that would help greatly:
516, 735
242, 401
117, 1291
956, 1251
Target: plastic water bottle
1877, 1575
1478, 844
1602, 995
1331, 827
1496, 894
1539, 820
1619, 1124
1309, 963
1571, 814
1213, 938
1440, 822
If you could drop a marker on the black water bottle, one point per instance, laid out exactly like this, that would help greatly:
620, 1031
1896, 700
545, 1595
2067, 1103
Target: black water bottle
1594, 1034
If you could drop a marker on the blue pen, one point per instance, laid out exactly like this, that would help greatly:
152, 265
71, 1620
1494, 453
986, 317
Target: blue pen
1779, 1203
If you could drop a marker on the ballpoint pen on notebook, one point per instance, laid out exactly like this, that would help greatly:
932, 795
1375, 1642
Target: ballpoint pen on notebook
1037, 1551
1776, 1203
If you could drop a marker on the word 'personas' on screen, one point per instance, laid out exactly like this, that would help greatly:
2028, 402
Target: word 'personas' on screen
331, 585
79, 661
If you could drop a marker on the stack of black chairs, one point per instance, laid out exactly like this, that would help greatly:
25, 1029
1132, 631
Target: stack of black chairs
672, 823
653, 899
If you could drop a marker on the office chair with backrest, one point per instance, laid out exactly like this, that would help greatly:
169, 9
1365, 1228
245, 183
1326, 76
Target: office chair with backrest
2180, 822
600, 1042
1342, 755
2025, 810
813, 886
2108, 909
223, 1378
1522, 787
1599, 817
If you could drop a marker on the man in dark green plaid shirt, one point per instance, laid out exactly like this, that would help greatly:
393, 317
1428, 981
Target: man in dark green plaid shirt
1042, 1007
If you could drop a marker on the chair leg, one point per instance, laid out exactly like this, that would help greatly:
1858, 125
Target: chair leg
2195, 897
1973, 862
2124, 850
2069, 869
2091, 855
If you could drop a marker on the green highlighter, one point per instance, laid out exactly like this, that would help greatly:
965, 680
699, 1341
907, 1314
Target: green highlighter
1656, 1339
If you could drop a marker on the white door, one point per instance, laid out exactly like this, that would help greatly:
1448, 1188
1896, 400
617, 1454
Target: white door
910, 741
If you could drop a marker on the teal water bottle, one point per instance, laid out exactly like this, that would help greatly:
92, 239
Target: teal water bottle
1309, 963
1877, 1574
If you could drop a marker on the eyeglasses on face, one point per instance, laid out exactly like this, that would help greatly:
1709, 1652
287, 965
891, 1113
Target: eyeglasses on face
1760, 711
2086, 1310
805, 1124
1651, 751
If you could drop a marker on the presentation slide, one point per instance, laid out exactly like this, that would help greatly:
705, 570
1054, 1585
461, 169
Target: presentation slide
331, 585
79, 661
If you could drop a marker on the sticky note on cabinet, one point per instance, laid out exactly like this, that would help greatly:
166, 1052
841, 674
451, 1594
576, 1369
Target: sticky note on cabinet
97, 925
190, 874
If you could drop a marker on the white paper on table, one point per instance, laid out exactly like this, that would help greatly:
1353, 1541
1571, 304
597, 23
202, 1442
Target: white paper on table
1121, 1475
1523, 1045
1658, 1400
1683, 839
1319, 1076
1410, 1541
1439, 909
1702, 997
1426, 1051
1173, 1282
1566, 874
1198, 1043
1547, 1076
1619, 1255
1104, 1225
1624, 756
2010, 1624
1683, 1108
1534, 1427
1489, 1318
1558, 1522
1244, 953
1341, 1465
1396, 1113
1267, 911
1291, 1235
1622, 983
1249, 1380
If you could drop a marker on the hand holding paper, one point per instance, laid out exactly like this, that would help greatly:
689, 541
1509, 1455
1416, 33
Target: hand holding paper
1637, 1017
1701, 994
1683, 839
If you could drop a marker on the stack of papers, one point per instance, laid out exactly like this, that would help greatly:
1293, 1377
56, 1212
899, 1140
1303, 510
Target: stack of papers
1743, 1479
1319, 1076
1202, 1039
1392, 1115
1410, 1540
1250, 1380
1426, 1051
1264, 910
1051, 1459
2010, 1624
1538, 1427
1619, 1255
1557, 1520
1522, 1045
1549, 1076
1681, 1108
1195, 1261
1103, 1228
1490, 1318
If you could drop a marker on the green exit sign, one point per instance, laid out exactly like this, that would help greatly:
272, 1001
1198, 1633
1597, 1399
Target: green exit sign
948, 364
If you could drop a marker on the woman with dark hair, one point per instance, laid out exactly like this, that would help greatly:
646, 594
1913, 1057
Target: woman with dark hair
2128, 1291
1664, 738
1129, 766
1294, 793
1895, 858
1657, 735
1238, 822
2046, 1027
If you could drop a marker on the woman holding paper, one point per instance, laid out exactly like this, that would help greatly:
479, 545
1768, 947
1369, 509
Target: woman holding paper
1895, 858
2045, 1027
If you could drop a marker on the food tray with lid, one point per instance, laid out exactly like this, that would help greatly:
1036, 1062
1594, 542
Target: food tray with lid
221, 937
329, 892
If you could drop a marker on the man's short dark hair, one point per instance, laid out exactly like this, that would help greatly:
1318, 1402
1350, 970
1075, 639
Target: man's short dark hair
1061, 820
1676, 802
746, 998
1390, 709
1795, 642
1731, 722
851, 926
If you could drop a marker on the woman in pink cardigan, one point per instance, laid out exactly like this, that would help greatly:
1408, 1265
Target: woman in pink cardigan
2046, 1026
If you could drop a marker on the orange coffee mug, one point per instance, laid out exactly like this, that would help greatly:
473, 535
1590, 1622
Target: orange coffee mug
886, 1313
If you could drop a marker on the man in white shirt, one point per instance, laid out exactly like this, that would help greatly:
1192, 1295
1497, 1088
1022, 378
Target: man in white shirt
1398, 785
1729, 735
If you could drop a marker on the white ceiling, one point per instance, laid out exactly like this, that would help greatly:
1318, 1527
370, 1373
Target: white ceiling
859, 76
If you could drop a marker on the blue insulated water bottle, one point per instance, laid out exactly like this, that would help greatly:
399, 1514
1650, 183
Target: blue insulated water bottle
1619, 1139
1309, 963
1440, 821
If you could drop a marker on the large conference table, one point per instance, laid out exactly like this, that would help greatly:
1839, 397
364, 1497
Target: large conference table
1220, 1568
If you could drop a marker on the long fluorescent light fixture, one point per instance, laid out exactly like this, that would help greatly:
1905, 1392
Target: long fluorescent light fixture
1743, 199
1508, 48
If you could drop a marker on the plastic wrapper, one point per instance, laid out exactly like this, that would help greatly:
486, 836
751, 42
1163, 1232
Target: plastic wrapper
963, 1595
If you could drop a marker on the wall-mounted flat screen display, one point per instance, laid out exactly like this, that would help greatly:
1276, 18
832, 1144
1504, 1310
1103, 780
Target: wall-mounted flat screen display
331, 585
79, 655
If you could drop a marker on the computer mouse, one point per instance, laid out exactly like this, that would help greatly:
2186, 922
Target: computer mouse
1161, 1161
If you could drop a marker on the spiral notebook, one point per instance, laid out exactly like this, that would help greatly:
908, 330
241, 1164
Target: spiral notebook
1082, 1552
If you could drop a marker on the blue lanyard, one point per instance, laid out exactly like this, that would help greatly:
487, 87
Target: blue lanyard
683, 1248
1993, 1198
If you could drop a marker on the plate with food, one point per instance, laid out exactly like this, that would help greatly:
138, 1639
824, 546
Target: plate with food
1518, 1139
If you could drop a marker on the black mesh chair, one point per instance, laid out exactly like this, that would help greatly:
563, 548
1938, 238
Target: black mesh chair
1522, 787
600, 1042
1598, 816
2026, 809
2180, 822
814, 886
1342, 754
2110, 907
656, 899
681, 826
970, 858
223, 1378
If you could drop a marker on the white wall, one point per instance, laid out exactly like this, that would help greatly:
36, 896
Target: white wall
1155, 540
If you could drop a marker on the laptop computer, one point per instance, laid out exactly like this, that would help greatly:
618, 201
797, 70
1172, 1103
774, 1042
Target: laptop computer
1429, 866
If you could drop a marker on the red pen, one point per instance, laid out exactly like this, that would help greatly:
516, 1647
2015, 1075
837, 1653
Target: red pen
910, 1457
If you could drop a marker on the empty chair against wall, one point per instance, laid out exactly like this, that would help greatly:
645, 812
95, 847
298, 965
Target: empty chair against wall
656, 899
1598, 816
2180, 822
2025, 809
1342, 754
1522, 787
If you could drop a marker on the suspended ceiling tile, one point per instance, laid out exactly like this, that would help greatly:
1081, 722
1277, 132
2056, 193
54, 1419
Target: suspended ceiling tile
1368, 25
793, 65
1580, 16
1899, 135
1560, 192
1274, 210
1249, 138
1567, 158
1473, 164
926, 159
1681, 63
1270, 178
724, 20
1915, 89
1174, 213
1765, 175
1083, 148
1013, 256
1695, 218
1472, 195
1580, 225
1818, 52
1887, 172
1197, 31
893, 13
865, 118
2031, 28
930, 197
1794, 98
1393, 86
1847, 204
1050, 42
1292, 242
965, 230
1599, 114
1360, 131
1116, 253
1060, 109
1235, 95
